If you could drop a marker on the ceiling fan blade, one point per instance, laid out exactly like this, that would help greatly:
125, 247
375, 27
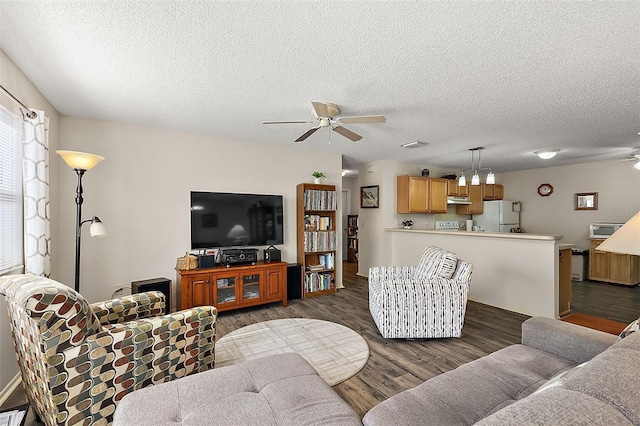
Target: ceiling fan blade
322, 110
287, 122
364, 119
347, 133
307, 134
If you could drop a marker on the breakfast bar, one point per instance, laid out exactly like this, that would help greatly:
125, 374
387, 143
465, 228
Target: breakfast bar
517, 272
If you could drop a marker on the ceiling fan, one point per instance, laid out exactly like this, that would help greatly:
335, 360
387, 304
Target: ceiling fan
325, 114
635, 157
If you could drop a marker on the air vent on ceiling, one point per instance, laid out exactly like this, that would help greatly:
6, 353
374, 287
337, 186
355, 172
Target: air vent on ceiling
413, 144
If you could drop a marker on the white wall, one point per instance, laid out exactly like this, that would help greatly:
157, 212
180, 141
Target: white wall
617, 185
374, 221
352, 184
12, 79
141, 194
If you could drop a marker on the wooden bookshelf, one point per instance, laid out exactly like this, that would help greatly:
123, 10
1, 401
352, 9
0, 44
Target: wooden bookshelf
352, 238
317, 238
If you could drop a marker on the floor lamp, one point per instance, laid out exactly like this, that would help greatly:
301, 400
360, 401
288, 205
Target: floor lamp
80, 162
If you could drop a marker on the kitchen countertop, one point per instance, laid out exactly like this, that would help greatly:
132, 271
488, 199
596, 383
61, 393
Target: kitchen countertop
508, 235
562, 246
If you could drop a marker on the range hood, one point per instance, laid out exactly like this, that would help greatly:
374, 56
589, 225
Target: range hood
457, 200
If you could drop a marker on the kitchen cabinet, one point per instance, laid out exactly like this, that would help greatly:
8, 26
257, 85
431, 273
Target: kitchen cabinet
492, 191
453, 190
475, 197
564, 282
612, 267
418, 194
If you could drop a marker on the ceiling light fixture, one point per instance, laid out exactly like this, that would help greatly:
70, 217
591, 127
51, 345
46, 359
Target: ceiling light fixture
637, 165
475, 179
547, 154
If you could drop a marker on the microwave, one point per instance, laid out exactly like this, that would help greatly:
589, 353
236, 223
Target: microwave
603, 229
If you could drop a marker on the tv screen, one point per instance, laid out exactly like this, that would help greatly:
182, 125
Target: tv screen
222, 219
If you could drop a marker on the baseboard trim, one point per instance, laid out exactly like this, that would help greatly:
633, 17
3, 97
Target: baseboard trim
8, 390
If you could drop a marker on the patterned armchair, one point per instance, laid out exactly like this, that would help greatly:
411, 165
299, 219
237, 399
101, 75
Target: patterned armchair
78, 360
424, 301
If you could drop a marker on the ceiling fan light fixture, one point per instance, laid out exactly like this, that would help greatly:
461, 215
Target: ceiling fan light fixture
547, 154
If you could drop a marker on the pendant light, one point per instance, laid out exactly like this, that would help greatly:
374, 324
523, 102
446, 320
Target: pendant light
475, 179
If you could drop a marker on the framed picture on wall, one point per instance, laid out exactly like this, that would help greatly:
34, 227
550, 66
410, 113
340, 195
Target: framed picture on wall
370, 197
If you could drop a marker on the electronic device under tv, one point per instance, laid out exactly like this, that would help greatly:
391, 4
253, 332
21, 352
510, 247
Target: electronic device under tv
224, 219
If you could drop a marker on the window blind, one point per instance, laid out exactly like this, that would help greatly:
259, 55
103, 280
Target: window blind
11, 254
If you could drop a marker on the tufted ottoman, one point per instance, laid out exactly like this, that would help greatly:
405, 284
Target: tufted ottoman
274, 390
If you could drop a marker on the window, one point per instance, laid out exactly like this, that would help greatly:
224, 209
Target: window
11, 254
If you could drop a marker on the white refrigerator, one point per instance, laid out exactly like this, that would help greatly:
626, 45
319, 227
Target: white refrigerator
498, 216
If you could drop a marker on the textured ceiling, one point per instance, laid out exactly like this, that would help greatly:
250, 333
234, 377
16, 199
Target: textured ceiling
512, 76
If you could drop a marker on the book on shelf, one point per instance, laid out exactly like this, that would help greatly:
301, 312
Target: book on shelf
318, 200
319, 241
315, 267
318, 282
314, 222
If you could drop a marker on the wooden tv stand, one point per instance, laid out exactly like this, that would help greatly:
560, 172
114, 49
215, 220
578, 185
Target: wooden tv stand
234, 287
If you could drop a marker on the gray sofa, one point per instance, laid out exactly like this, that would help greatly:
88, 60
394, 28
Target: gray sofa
500, 388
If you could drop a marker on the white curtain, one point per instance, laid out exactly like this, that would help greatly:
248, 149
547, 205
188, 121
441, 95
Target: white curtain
37, 219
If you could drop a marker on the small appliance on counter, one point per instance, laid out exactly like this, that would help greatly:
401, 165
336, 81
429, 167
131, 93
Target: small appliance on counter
603, 229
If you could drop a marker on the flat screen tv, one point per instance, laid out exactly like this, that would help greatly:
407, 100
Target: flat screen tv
223, 219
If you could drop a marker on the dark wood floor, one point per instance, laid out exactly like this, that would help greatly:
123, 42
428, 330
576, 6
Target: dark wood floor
397, 364
611, 301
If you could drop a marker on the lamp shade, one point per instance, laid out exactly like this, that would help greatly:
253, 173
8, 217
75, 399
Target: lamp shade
238, 233
462, 181
97, 228
80, 160
491, 178
475, 179
625, 240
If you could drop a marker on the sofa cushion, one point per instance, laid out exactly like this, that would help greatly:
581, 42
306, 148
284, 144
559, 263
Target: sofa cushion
274, 390
435, 263
472, 391
557, 406
612, 377
559, 379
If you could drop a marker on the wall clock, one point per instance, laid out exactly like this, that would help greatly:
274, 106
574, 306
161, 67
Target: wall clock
545, 190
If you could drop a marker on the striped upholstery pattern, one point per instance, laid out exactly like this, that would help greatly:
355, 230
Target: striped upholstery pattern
78, 360
404, 307
436, 263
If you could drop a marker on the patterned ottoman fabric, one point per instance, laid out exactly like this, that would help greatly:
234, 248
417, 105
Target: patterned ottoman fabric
403, 306
77, 360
